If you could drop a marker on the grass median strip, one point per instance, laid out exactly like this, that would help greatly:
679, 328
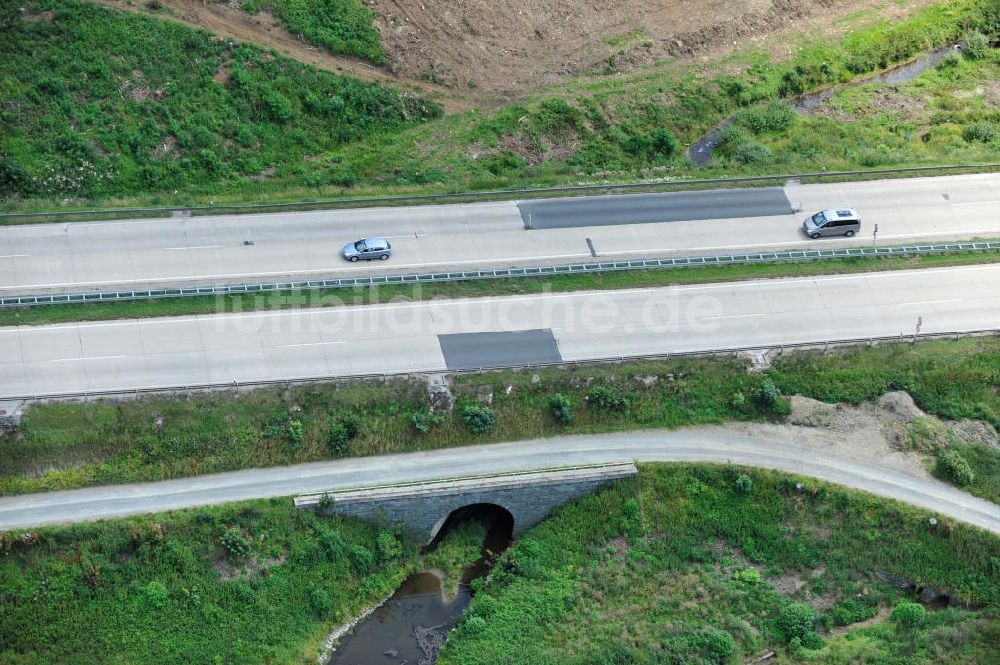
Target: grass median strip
482, 288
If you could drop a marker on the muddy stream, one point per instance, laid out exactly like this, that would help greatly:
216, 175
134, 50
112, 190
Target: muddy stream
700, 152
411, 626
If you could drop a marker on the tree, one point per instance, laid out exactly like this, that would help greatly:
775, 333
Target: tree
909, 617
796, 619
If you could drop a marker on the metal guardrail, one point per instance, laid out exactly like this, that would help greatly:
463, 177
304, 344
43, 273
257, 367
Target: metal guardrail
503, 273
462, 196
824, 345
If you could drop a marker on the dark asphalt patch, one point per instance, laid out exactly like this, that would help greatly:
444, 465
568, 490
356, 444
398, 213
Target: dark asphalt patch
653, 208
495, 349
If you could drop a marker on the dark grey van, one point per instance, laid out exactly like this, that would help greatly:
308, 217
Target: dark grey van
840, 222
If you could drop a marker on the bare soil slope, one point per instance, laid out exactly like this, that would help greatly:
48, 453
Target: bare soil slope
512, 45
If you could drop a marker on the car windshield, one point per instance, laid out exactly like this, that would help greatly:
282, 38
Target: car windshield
360, 245
819, 219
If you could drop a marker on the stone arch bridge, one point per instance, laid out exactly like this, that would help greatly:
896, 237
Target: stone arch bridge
424, 507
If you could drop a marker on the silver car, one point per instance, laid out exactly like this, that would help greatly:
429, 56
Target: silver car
367, 249
841, 222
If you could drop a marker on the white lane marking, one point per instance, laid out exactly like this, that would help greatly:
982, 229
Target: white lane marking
732, 316
292, 346
13, 256
975, 203
197, 247
71, 360
931, 302
374, 308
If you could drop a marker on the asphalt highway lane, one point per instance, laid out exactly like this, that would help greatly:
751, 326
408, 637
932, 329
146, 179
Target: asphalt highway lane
87, 256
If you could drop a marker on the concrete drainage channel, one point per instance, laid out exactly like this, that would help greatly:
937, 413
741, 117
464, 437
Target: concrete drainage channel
790, 256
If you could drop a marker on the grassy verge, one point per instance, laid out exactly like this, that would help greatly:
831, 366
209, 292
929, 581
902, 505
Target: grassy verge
451, 556
48, 314
165, 589
603, 128
69, 445
101, 102
713, 564
254, 582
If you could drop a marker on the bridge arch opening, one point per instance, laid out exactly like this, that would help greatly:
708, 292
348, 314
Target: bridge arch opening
498, 521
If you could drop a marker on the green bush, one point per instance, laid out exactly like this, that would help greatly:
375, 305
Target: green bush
744, 485
977, 45
655, 145
765, 393
952, 466
155, 596
424, 421
362, 558
561, 409
979, 131
718, 646
478, 419
772, 117
389, 548
320, 602
295, 433
351, 425
812, 640
748, 576
474, 625
751, 152
608, 398
338, 440
235, 543
796, 619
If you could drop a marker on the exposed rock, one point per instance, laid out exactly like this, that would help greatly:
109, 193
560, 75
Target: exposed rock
535, 378
976, 433
439, 396
648, 381
932, 596
10, 416
484, 394
895, 580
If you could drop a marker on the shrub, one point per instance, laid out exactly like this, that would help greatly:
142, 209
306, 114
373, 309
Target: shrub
362, 558
812, 640
276, 105
796, 619
748, 576
320, 601
295, 433
326, 503
478, 419
744, 485
474, 625
718, 646
608, 398
352, 426
389, 547
659, 143
979, 131
235, 543
561, 409
954, 467
423, 421
977, 45
155, 596
338, 440
751, 152
776, 115
738, 401
909, 617
765, 393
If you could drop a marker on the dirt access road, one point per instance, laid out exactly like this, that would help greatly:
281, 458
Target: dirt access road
801, 450
468, 53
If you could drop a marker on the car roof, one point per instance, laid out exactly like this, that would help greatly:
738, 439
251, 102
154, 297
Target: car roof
376, 242
841, 213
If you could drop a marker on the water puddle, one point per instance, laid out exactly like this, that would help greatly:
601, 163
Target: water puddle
411, 626
700, 152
